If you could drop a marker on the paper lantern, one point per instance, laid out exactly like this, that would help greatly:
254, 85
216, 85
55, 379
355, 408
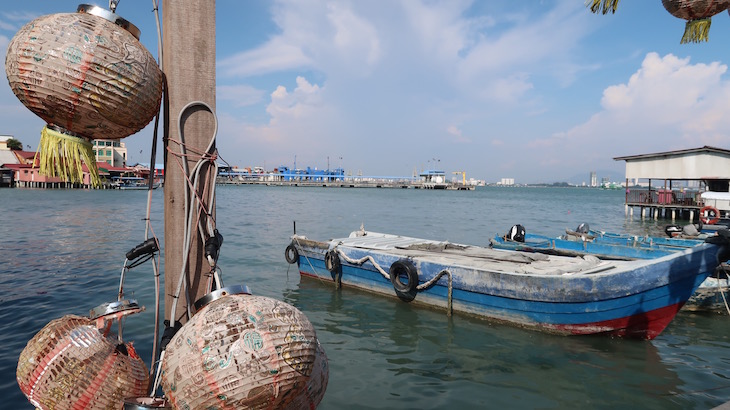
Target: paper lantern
698, 14
71, 364
87, 75
243, 351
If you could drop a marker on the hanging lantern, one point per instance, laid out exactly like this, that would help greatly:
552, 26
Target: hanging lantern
87, 75
71, 364
698, 14
243, 351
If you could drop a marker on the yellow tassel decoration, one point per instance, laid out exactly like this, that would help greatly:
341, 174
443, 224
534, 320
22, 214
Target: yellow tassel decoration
696, 31
62, 155
604, 6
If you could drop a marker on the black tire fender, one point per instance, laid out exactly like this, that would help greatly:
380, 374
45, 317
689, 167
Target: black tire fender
332, 261
291, 254
400, 269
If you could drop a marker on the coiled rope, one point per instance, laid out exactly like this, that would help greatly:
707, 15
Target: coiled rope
386, 275
722, 267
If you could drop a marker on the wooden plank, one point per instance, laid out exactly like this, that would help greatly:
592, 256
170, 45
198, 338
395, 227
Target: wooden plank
189, 64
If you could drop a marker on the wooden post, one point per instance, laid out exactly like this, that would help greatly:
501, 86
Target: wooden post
189, 65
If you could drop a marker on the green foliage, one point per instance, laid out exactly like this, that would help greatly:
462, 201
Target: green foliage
15, 144
603, 6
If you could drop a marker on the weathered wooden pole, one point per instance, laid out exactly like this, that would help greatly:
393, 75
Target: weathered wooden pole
189, 64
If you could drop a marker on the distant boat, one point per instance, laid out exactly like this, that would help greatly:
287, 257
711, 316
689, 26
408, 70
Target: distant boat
558, 294
133, 183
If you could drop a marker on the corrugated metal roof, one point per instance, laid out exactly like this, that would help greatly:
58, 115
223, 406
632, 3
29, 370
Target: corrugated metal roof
7, 157
706, 148
690, 164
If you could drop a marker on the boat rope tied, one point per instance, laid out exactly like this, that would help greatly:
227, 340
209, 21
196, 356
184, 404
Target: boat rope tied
722, 267
386, 275
309, 262
435, 279
362, 260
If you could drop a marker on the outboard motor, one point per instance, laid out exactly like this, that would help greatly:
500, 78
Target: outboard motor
583, 228
690, 230
722, 238
672, 230
516, 233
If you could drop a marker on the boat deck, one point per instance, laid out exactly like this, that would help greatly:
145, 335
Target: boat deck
475, 257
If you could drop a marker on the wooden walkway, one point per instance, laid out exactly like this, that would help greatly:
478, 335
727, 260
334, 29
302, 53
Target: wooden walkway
665, 203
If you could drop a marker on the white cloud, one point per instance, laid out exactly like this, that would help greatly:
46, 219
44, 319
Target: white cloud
666, 104
276, 55
456, 134
240, 95
354, 37
298, 105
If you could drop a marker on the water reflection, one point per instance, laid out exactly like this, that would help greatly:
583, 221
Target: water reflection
67, 247
408, 353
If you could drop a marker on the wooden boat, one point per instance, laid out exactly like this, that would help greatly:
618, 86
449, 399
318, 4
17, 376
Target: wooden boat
708, 296
627, 249
566, 295
676, 238
133, 183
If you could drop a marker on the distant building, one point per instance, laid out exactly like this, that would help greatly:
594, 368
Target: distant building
113, 152
506, 181
677, 181
4, 141
594, 179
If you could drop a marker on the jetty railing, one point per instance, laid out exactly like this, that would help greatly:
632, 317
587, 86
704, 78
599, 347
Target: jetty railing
664, 197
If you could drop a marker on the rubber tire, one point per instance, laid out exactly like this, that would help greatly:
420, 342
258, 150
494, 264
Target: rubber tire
404, 267
332, 261
291, 254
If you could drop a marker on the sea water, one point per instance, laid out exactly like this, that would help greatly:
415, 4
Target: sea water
61, 252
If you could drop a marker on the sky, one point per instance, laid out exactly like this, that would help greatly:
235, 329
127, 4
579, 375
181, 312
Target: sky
538, 91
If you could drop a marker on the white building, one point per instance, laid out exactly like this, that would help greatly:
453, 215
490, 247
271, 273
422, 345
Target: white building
113, 152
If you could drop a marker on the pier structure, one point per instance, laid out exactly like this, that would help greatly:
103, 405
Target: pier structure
670, 184
283, 176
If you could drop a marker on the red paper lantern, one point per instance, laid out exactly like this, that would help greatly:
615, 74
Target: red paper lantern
698, 14
71, 364
243, 351
87, 75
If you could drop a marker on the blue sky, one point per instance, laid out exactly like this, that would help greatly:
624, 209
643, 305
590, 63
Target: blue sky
538, 91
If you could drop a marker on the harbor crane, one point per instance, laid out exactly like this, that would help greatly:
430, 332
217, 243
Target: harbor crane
463, 176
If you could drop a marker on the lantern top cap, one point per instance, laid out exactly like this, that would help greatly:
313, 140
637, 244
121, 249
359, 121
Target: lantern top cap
108, 15
219, 293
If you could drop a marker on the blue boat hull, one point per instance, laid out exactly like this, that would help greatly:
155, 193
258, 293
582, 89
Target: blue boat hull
626, 247
631, 299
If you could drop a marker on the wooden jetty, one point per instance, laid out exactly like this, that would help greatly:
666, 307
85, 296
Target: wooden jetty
670, 184
344, 183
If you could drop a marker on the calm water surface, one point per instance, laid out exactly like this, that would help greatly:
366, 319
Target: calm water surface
61, 252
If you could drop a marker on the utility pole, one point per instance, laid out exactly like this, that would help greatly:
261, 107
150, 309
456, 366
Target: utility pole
189, 64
